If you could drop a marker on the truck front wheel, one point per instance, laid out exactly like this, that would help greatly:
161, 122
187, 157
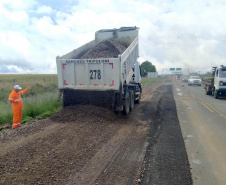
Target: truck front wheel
216, 94
126, 107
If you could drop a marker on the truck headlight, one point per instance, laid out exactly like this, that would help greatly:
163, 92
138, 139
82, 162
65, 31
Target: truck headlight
221, 83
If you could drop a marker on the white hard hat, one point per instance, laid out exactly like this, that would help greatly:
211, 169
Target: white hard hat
17, 87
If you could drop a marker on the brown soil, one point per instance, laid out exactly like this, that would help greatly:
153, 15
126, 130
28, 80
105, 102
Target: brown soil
86, 144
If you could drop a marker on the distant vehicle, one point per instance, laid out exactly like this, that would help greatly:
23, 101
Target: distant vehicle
216, 85
178, 76
194, 80
184, 80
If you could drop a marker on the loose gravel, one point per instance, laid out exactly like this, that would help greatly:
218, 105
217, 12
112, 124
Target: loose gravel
86, 144
105, 49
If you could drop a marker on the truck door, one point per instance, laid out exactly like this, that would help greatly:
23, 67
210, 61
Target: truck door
216, 79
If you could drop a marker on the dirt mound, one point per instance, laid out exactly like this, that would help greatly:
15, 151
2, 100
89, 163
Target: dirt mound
87, 114
97, 98
105, 49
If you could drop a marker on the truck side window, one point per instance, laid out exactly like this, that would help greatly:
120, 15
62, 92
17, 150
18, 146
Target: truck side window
222, 73
216, 73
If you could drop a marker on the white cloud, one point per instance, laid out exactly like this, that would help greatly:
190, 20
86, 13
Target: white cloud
18, 4
188, 34
44, 10
15, 41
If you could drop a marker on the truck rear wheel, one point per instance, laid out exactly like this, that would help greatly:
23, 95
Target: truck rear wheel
126, 106
131, 94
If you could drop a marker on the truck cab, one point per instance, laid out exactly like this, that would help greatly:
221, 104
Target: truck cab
219, 74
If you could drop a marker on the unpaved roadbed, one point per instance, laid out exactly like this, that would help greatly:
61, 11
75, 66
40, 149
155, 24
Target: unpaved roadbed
86, 144
166, 160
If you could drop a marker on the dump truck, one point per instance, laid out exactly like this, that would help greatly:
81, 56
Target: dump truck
104, 72
216, 85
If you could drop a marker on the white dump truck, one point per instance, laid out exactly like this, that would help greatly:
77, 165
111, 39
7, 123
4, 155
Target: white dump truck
86, 77
216, 85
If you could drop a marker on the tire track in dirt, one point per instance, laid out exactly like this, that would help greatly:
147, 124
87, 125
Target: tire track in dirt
89, 173
126, 162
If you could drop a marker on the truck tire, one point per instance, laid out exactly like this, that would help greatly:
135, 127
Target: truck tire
131, 95
126, 106
216, 94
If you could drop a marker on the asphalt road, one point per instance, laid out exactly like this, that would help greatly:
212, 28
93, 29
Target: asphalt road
203, 123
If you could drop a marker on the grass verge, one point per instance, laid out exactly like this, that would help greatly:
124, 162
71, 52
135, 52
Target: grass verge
35, 107
146, 81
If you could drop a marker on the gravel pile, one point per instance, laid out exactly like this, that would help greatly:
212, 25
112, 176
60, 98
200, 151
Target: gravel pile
105, 49
98, 98
86, 114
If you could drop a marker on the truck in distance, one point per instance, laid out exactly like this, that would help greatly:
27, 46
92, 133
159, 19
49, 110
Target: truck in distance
216, 85
104, 72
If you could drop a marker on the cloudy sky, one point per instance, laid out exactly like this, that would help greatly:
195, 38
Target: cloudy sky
187, 34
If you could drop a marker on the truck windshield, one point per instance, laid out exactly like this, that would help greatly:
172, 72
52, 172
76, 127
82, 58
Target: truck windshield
222, 73
195, 77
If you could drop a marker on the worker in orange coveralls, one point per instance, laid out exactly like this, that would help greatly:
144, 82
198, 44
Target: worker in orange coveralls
17, 104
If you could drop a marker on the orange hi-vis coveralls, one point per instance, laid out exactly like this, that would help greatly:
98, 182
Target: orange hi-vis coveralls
17, 105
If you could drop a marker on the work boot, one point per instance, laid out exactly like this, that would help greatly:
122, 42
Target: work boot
14, 126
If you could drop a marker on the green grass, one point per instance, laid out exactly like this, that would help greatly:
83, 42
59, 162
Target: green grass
146, 81
35, 107
40, 83
40, 102
41, 106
